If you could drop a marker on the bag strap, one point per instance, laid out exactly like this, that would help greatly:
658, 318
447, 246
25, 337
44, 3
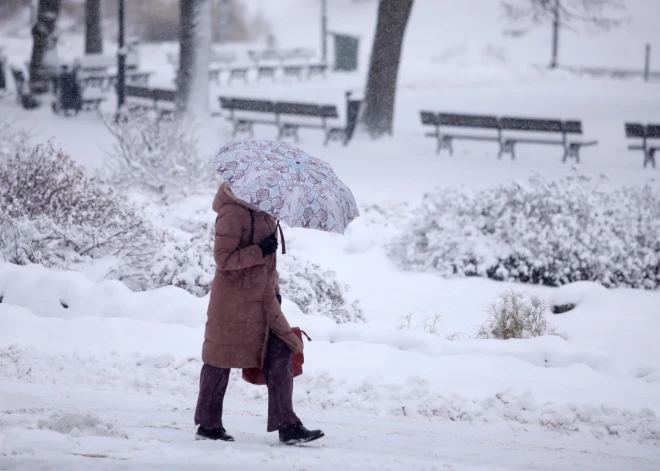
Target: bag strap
251, 227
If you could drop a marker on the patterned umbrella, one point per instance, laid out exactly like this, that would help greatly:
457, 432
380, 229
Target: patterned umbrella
287, 183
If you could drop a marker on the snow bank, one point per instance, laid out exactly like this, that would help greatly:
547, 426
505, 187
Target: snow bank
67, 295
79, 425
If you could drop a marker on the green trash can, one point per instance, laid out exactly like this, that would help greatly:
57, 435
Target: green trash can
346, 52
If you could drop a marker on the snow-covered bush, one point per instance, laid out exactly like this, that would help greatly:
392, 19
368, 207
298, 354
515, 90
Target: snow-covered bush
52, 213
541, 232
316, 290
186, 260
516, 316
156, 153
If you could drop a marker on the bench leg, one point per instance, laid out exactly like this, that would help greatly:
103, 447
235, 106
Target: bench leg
649, 157
448, 144
509, 147
572, 151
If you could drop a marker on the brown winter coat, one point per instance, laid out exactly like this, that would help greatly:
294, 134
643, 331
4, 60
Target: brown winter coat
243, 307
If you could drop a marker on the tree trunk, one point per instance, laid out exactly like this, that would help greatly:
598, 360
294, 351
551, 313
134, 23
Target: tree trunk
44, 38
555, 34
378, 110
194, 55
93, 35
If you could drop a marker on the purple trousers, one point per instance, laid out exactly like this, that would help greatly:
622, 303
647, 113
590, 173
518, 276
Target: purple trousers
279, 381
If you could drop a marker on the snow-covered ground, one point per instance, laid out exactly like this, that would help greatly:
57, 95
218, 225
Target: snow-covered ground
93, 376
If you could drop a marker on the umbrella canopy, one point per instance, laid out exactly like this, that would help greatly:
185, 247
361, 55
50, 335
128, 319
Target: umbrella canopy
287, 183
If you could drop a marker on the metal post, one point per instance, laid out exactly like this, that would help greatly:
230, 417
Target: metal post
647, 64
324, 31
121, 61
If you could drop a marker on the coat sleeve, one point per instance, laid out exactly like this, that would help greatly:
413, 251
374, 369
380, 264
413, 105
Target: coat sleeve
226, 251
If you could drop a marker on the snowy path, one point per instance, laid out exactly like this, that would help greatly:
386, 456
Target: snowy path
159, 431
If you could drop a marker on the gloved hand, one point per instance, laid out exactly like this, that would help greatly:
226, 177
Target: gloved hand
269, 245
279, 299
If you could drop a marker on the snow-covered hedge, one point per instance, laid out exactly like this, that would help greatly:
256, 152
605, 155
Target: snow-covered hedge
541, 232
52, 213
157, 154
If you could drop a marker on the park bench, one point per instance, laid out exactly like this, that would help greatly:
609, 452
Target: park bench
143, 98
238, 73
266, 62
316, 69
644, 132
289, 117
106, 81
497, 127
245, 123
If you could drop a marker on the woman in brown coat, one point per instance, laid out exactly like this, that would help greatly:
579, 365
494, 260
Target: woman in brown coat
245, 326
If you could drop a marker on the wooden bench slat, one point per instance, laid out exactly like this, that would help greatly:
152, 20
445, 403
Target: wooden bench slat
572, 127
469, 121
525, 124
635, 130
653, 131
429, 118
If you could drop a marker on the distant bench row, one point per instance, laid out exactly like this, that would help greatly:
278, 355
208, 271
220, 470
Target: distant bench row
244, 113
498, 126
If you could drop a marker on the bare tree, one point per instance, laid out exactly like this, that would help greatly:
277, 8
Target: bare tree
194, 55
378, 111
44, 38
93, 35
563, 13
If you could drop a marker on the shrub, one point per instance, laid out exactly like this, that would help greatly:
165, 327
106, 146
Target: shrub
516, 316
52, 213
158, 154
186, 261
542, 232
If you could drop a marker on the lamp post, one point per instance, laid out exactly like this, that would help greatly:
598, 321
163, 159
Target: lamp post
121, 62
324, 31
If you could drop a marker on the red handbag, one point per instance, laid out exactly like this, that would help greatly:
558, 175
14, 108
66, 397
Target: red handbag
256, 376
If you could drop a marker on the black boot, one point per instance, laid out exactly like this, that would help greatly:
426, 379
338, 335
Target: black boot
297, 433
213, 434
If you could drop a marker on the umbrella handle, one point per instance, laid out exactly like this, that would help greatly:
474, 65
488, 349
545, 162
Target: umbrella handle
281, 236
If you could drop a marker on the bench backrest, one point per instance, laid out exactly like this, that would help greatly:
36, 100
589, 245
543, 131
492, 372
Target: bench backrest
635, 130
468, 121
298, 53
572, 127
525, 124
247, 104
641, 131
305, 109
429, 118
224, 57
96, 62
157, 94
265, 55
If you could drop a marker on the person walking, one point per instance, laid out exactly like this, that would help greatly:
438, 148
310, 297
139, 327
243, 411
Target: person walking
246, 327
